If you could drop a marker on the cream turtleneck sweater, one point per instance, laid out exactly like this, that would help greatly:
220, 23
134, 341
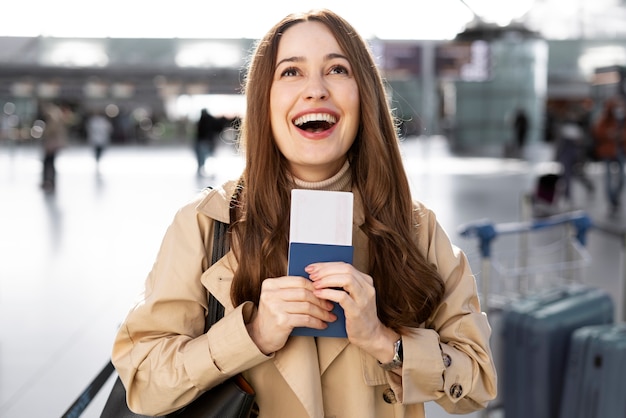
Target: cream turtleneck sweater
340, 182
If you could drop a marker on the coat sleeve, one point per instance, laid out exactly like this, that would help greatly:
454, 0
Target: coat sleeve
161, 352
449, 360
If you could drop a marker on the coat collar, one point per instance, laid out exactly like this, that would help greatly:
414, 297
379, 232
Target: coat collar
216, 203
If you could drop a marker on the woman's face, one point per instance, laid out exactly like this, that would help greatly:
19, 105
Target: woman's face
314, 102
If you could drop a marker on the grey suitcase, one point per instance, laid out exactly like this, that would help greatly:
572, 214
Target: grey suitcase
536, 333
595, 371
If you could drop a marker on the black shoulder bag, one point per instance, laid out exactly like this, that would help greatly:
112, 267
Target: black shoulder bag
232, 399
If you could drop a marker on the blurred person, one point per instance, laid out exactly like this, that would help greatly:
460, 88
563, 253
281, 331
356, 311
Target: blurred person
609, 135
520, 129
99, 130
317, 118
53, 140
208, 129
571, 154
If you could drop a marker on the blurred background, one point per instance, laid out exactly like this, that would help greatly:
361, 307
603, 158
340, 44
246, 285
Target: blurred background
484, 89
462, 69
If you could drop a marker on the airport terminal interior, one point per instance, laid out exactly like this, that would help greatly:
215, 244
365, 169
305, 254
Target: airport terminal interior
73, 259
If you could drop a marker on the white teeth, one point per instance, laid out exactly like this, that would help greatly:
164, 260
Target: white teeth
315, 117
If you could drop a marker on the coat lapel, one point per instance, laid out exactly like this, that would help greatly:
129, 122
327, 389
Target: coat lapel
302, 363
297, 363
217, 280
328, 349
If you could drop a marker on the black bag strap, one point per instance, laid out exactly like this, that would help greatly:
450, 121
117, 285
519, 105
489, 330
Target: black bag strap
220, 248
85, 398
214, 314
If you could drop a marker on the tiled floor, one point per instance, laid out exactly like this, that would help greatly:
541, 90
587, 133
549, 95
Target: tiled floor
72, 262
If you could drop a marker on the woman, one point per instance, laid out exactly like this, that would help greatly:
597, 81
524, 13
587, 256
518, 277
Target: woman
317, 118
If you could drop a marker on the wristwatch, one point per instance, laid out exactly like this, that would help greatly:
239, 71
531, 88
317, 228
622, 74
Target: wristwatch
396, 362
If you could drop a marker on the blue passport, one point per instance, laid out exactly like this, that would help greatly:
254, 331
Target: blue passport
303, 254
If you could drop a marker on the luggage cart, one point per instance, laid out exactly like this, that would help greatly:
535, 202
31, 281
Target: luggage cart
532, 261
536, 299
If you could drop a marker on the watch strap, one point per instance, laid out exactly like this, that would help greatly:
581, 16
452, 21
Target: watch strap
397, 360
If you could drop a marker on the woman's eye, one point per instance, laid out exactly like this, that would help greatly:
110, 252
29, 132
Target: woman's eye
289, 72
339, 69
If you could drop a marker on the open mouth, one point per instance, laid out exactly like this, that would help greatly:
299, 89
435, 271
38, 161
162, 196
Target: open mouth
315, 122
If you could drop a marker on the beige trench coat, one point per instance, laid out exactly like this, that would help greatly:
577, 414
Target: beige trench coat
165, 360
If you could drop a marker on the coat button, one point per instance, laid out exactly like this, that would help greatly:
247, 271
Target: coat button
389, 396
456, 390
447, 360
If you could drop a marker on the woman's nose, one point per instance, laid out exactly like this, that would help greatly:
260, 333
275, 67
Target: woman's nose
316, 88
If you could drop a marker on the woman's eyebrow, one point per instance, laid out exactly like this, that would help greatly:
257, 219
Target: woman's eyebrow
327, 57
290, 59
336, 55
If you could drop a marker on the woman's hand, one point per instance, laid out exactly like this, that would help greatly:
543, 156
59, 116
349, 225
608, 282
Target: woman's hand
354, 291
285, 303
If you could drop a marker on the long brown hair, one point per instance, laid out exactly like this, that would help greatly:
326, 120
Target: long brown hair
408, 288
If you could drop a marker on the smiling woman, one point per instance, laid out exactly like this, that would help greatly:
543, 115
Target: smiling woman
317, 118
